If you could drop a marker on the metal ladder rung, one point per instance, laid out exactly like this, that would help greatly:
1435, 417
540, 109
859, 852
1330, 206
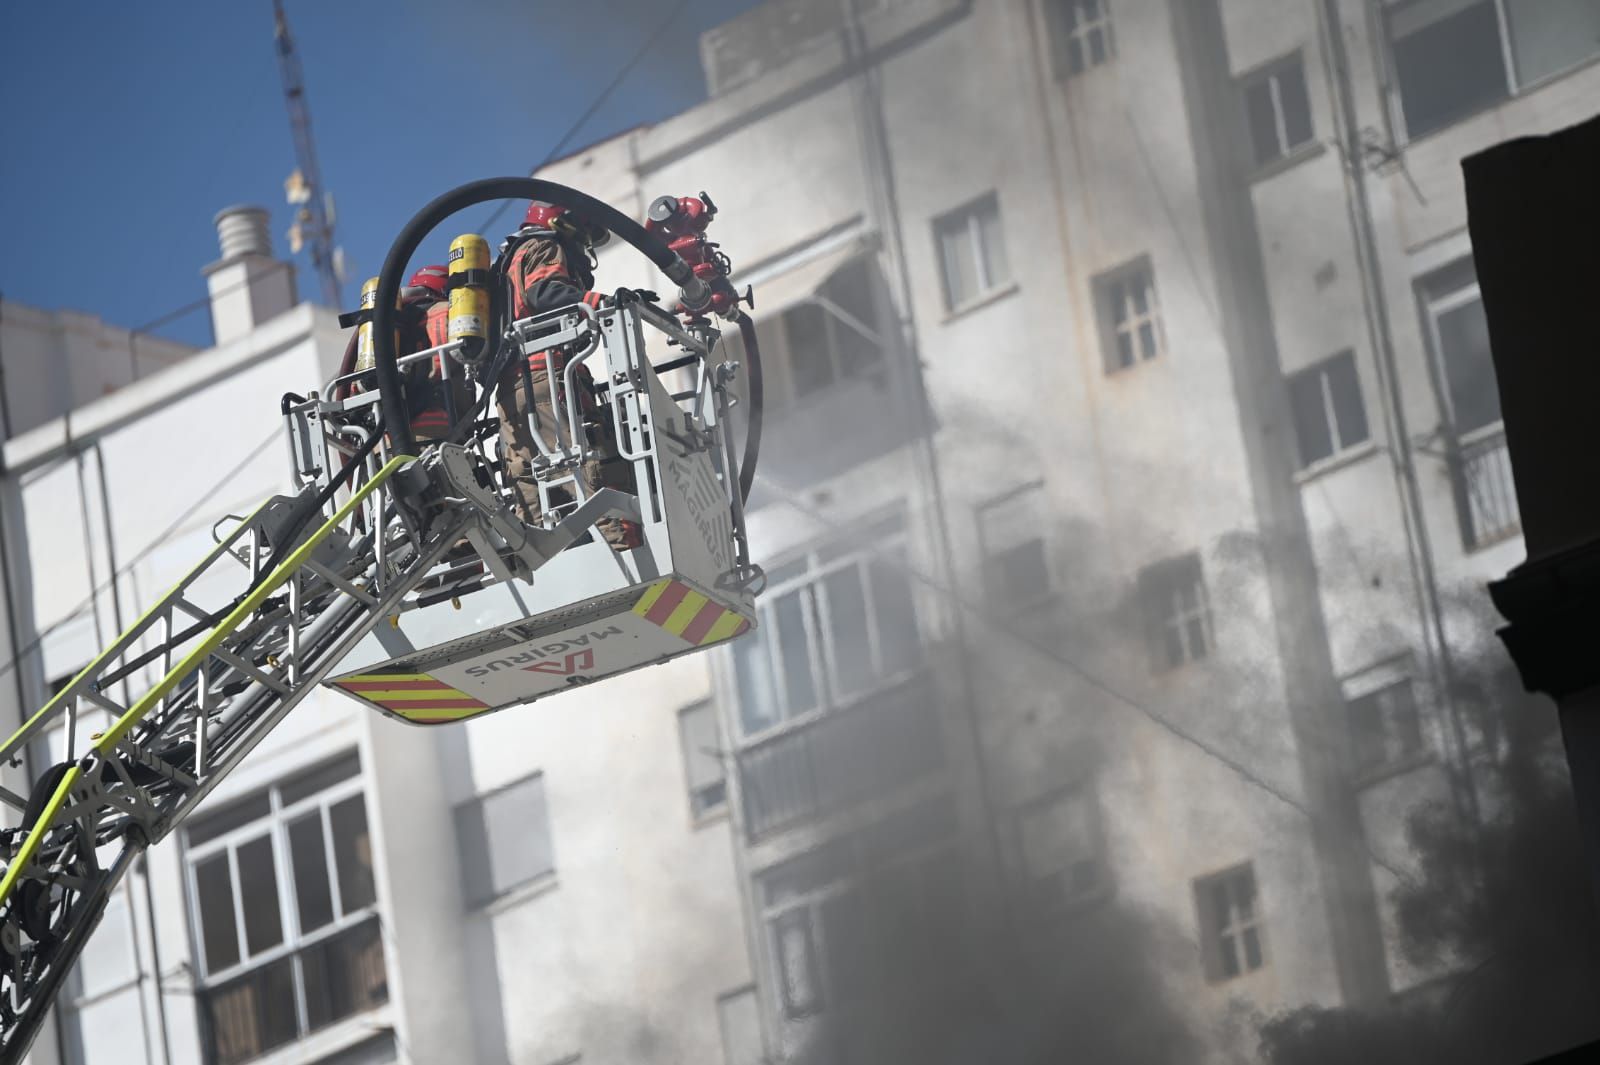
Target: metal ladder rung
250, 670
116, 709
348, 587
180, 603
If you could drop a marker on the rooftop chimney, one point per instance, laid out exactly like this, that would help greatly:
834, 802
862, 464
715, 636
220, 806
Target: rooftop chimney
248, 286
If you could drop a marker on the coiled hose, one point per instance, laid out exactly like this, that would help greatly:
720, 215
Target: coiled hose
390, 384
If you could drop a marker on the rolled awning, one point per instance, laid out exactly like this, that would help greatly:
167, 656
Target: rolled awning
794, 279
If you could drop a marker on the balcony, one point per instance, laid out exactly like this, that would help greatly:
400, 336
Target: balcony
296, 994
838, 758
1486, 496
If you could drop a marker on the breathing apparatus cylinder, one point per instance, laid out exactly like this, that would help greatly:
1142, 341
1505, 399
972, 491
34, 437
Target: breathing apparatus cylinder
364, 346
469, 295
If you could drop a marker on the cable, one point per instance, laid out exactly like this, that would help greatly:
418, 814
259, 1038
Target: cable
599, 101
143, 553
206, 301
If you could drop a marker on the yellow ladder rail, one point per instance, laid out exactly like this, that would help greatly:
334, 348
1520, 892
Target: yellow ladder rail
189, 663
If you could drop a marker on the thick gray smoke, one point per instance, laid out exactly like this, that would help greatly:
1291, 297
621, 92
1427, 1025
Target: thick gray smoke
1513, 901
941, 979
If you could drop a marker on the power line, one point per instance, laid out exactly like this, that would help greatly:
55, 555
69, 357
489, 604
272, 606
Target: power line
598, 102
145, 552
206, 300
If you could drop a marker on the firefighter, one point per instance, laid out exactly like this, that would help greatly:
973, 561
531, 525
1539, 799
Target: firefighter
425, 307
550, 266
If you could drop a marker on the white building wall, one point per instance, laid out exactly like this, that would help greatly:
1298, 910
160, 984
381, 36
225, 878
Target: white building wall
621, 953
53, 361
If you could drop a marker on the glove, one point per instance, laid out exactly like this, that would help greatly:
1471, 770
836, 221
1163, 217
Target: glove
625, 296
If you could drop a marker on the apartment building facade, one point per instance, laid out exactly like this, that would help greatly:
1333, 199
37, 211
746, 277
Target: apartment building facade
1130, 462
1185, 471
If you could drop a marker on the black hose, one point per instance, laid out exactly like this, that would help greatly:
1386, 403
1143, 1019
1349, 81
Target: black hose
755, 397
390, 387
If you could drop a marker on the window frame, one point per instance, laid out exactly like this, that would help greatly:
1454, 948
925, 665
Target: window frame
1059, 37
835, 320
982, 513
1178, 617
277, 824
1105, 287
819, 561
1340, 449
1032, 881
699, 813
1396, 671
725, 1003
475, 903
1396, 94
1516, 86
1212, 938
1270, 74
969, 216
850, 865
1433, 308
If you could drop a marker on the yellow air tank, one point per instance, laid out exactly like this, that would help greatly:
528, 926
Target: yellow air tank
364, 349
469, 295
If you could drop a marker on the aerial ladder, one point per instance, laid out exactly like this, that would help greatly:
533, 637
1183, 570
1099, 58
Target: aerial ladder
363, 581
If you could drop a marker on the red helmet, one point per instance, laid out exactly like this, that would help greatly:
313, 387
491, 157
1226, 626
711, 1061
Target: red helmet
427, 283
542, 214
558, 219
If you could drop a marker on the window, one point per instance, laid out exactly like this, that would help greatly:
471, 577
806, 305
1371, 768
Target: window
1453, 58
831, 337
1448, 60
1011, 533
505, 840
840, 918
972, 252
1460, 339
1385, 729
1059, 850
1329, 416
101, 1019
835, 624
702, 759
1080, 34
1130, 316
739, 1017
1177, 616
1278, 111
1230, 923
284, 905
1549, 36
1458, 333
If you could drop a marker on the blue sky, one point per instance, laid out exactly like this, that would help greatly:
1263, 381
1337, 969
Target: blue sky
131, 125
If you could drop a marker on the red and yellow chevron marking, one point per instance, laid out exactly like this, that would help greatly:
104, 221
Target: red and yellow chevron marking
414, 696
687, 614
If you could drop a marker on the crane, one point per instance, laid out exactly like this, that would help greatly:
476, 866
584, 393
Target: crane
354, 581
314, 221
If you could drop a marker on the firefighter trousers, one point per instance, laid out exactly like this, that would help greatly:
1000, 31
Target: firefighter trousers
603, 469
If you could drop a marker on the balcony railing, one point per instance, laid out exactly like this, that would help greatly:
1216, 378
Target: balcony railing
286, 999
845, 756
1486, 496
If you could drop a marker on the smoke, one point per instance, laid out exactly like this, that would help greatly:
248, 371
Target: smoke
938, 974
1506, 910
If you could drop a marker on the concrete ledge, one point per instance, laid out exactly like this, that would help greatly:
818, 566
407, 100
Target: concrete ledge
78, 428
